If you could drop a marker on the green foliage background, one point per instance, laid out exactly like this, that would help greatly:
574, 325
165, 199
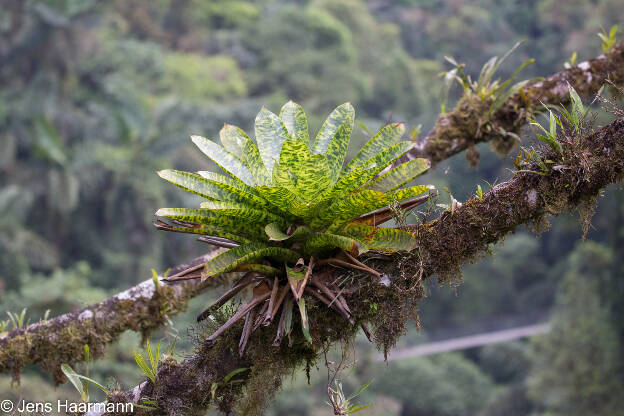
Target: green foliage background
98, 95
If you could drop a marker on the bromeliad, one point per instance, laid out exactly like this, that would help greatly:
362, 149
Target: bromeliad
287, 205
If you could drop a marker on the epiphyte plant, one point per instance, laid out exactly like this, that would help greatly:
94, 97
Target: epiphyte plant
287, 206
485, 87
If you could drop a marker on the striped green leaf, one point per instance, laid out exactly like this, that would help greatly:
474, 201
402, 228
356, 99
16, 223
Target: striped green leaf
285, 200
239, 226
224, 159
342, 115
246, 253
209, 231
399, 176
350, 182
243, 212
276, 233
210, 188
270, 135
313, 178
410, 192
387, 136
380, 238
295, 121
337, 150
323, 243
343, 210
293, 154
227, 180
238, 142
294, 275
389, 155
259, 268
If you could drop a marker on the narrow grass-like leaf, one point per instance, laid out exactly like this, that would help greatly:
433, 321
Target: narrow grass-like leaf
342, 115
144, 367
387, 136
238, 142
323, 243
246, 253
305, 325
380, 238
295, 121
270, 135
399, 176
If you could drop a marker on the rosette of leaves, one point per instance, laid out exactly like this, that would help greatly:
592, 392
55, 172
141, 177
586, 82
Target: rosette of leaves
287, 204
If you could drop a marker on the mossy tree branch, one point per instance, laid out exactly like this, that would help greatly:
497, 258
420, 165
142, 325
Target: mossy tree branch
61, 339
585, 167
53, 342
468, 124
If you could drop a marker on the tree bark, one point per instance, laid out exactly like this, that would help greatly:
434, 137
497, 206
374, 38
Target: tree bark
444, 244
468, 124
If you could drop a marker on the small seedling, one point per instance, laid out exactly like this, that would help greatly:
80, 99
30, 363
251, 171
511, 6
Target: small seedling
80, 382
151, 369
343, 405
226, 380
608, 39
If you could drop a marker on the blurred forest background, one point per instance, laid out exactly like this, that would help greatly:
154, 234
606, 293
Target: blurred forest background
95, 96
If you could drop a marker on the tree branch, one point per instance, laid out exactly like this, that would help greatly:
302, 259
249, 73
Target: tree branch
53, 342
468, 124
61, 339
444, 245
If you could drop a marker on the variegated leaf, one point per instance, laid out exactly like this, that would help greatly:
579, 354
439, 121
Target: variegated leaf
411, 192
337, 150
380, 238
343, 210
387, 136
295, 121
224, 159
259, 268
285, 200
213, 218
210, 188
313, 178
293, 154
275, 233
238, 142
342, 115
243, 211
323, 243
246, 253
399, 176
208, 231
270, 136
227, 180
